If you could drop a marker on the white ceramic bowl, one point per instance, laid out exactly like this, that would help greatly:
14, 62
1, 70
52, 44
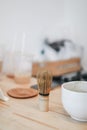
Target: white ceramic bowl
74, 99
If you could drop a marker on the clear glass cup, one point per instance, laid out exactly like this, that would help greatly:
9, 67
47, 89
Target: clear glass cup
23, 68
8, 64
2, 51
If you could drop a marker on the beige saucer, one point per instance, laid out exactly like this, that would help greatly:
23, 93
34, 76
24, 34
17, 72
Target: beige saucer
22, 93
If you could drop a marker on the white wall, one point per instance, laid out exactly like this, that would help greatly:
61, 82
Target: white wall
54, 19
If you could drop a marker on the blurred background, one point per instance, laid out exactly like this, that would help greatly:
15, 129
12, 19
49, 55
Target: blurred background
44, 21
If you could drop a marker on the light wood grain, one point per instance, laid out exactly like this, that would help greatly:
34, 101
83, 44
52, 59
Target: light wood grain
59, 68
24, 114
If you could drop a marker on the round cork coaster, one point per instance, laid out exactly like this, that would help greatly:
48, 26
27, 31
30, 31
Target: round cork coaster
22, 93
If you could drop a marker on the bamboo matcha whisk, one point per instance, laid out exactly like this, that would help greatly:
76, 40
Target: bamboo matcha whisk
44, 79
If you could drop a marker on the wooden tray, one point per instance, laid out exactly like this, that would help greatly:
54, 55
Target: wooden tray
59, 68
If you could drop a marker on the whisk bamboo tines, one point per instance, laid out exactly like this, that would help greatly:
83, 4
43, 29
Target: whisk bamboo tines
44, 79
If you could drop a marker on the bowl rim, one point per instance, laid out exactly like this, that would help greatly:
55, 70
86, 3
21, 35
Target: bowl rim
73, 91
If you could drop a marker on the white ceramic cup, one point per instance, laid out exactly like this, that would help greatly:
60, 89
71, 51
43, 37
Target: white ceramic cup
74, 99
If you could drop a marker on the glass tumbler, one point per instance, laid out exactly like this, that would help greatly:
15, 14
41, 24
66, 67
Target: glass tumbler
8, 64
23, 68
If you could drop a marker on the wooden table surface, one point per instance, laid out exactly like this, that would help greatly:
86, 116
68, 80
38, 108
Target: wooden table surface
24, 114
